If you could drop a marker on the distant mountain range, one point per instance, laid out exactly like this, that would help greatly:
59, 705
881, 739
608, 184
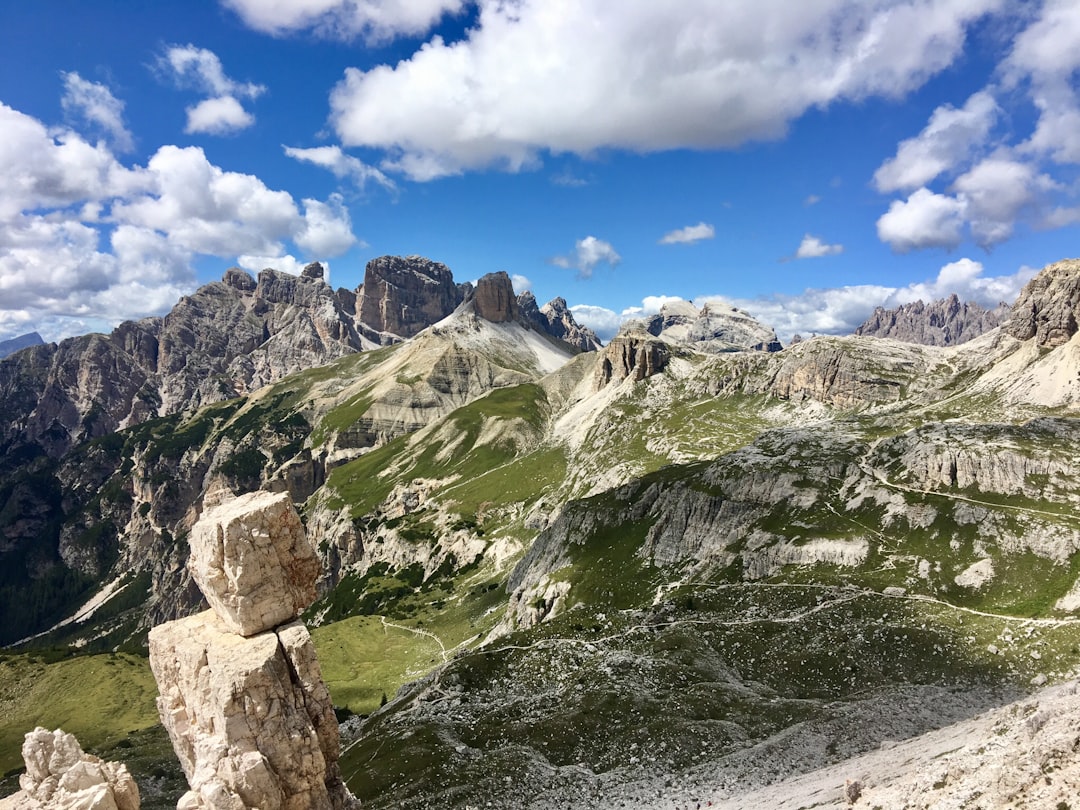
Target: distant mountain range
947, 322
13, 345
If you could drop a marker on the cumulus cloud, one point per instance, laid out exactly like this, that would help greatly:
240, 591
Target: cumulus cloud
987, 200
286, 264
327, 229
588, 253
986, 188
947, 141
521, 283
374, 20
532, 76
95, 104
924, 220
812, 247
343, 166
87, 240
689, 234
218, 116
201, 69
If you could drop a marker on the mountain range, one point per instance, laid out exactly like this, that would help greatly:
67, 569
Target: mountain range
556, 572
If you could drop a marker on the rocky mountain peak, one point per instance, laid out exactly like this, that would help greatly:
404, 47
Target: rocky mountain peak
21, 342
1048, 308
494, 299
946, 322
715, 328
401, 296
314, 272
556, 319
631, 353
239, 280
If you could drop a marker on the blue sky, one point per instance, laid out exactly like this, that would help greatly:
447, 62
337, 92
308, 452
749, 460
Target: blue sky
804, 161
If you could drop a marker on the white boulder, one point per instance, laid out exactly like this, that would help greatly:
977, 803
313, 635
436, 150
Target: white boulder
252, 560
61, 776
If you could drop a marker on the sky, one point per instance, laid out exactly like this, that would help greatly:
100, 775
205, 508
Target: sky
805, 161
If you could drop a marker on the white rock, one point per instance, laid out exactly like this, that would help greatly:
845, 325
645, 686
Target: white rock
253, 562
250, 718
976, 575
60, 776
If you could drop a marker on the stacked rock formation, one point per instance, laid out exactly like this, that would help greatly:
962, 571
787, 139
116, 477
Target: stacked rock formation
61, 776
241, 694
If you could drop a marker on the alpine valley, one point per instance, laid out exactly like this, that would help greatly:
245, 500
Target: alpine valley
689, 566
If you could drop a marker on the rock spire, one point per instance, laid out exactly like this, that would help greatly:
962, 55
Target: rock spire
241, 693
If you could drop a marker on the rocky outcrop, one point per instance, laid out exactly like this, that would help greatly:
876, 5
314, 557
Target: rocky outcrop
1048, 308
494, 298
556, 319
715, 328
60, 776
401, 296
12, 345
631, 354
249, 716
253, 562
946, 322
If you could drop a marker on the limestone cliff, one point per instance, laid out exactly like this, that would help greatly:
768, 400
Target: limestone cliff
1048, 308
401, 296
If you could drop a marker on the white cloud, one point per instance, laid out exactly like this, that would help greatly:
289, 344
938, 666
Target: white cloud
689, 234
533, 75
947, 141
812, 199
221, 113
85, 240
606, 322
588, 253
39, 169
343, 166
346, 19
202, 69
286, 264
925, 219
327, 229
995, 192
218, 116
96, 104
812, 247
521, 283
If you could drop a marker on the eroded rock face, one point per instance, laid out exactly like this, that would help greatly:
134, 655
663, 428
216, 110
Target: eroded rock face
60, 776
240, 691
494, 299
253, 562
631, 354
1049, 306
403, 295
947, 322
250, 719
556, 319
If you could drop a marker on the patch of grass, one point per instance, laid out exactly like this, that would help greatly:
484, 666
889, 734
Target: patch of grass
98, 698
